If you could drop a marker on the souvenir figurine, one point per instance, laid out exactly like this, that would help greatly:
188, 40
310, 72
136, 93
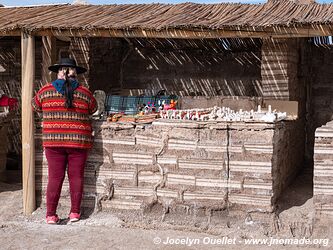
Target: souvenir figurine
100, 97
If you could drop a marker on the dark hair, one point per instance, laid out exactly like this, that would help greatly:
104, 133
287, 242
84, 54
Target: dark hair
68, 90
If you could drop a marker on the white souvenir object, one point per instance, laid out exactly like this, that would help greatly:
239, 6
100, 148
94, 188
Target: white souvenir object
174, 114
184, 115
251, 114
219, 112
188, 115
204, 117
162, 114
281, 116
146, 109
195, 116
269, 117
160, 107
213, 114
179, 115
100, 97
167, 114
170, 113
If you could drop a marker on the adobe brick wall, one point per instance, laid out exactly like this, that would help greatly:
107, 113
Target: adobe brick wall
320, 127
323, 172
105, 61
183, 164
320, 90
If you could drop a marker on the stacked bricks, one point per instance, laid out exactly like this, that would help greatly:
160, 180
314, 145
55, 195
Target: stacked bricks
198, 165
323, 171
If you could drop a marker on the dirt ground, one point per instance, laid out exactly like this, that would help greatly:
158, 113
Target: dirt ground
293, 221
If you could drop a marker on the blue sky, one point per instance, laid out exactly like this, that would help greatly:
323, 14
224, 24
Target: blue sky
34, 2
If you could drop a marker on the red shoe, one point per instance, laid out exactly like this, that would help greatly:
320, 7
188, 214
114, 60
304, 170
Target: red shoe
54, 219
73, 217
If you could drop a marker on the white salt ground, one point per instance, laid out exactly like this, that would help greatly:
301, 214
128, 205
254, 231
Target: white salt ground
114, 231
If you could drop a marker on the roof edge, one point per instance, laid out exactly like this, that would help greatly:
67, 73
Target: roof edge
36, 5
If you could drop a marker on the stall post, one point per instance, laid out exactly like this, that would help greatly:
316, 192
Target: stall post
28, 140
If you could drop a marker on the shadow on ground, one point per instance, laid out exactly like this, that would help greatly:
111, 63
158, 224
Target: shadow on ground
298, 192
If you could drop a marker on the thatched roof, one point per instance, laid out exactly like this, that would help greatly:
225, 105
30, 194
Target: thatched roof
159, 17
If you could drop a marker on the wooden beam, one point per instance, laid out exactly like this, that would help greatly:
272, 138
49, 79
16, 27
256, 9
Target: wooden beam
28, 140
11, 33
293, 31
196, 33
170, 33
49, 56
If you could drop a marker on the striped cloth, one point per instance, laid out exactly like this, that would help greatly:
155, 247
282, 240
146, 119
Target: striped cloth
65, 127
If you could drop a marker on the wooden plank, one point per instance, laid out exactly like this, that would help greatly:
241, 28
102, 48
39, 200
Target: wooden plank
192, 33
310, 30
28, 141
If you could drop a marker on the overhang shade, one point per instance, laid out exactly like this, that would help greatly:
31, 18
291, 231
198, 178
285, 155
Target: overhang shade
276, 18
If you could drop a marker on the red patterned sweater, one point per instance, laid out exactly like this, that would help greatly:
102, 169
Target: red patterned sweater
65, 127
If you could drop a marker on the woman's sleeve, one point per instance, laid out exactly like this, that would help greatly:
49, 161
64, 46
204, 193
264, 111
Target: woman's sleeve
36, 103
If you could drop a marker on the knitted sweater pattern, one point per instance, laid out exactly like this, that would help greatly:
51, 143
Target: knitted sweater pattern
65, 127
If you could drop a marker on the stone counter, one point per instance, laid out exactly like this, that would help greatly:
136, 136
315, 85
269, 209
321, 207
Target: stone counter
209, 165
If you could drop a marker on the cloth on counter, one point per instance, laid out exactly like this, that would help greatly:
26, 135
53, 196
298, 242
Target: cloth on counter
6, 101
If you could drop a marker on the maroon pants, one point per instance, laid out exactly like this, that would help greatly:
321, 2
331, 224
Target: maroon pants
58, 158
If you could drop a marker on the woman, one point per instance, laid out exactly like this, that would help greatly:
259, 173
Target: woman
67, 134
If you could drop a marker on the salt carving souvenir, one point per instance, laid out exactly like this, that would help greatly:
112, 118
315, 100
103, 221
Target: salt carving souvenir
204, 117
169, 113
269, 117
281, 116
224, 114
146, 109
162, 114
269, 109
196, 115
100, 97
188, 115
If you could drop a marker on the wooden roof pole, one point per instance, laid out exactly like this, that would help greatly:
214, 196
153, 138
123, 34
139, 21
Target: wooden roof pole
28, 140
49, 56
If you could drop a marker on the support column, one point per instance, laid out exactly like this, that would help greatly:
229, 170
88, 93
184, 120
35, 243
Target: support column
279, 69
281, 84
49, 57
28, 140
